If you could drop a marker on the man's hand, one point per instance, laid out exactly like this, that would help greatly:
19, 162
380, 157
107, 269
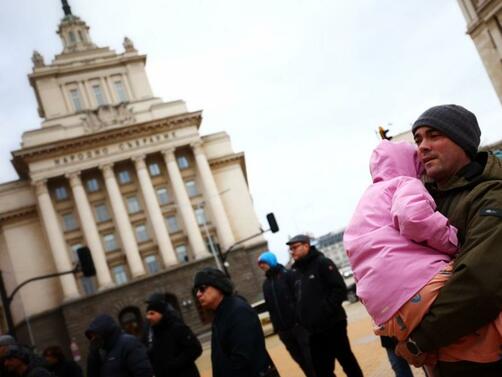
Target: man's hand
417, 361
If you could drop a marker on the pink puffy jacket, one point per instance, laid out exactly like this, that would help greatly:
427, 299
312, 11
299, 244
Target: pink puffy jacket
396, 240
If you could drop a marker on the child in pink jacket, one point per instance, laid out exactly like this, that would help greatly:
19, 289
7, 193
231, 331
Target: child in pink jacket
400, 250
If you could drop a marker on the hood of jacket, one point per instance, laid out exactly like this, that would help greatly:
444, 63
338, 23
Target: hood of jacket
485, 167
390, 160
106, 327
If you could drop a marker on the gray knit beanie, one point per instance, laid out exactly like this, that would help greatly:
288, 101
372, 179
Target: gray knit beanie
456, 122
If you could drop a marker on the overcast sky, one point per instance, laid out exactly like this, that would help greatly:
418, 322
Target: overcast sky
299, 85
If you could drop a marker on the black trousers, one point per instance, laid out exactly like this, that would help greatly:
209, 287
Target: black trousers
296, 341
330, 344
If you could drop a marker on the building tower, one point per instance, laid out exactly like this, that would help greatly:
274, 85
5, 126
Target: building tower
116, 169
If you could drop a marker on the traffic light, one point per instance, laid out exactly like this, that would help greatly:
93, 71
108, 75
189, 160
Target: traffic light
85, 261
383, 133
272, 223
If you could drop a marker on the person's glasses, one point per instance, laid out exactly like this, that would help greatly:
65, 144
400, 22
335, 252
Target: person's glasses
201, 289
293, 247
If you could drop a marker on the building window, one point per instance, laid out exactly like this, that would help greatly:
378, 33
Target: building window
110, 242
152, 264
120, 90
119, 272
154, 169
88, 285
92, 185
133, 204
200, 215
124, 177
183, 162
74, 248
181, 252
69, 222
191, 188
211, 240
73, 39
172, 224
61, 193
75, 99
98, 94
162, 195
141, 233
101, 213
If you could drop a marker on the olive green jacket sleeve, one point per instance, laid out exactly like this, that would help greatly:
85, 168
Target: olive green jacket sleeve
473, 296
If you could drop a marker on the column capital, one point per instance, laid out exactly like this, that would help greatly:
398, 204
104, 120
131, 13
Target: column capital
107, 169
169, 154
40, 186
74, 178
197, 147
139, 161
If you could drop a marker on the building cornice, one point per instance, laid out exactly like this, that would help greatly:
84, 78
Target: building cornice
485, 12
17, 214
68, 69
22, 157
228, 160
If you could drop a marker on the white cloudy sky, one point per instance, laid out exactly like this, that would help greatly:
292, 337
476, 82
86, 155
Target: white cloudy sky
300, 85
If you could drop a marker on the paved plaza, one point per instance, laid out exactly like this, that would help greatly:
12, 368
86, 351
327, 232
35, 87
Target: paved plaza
366, 346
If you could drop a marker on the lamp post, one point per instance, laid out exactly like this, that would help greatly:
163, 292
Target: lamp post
212, 247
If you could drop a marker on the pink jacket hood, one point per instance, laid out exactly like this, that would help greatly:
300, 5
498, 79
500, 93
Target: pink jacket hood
390, 160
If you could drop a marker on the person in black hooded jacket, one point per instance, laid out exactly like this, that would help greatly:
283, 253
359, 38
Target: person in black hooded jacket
113, 353
174, 348
319, 293
279, 299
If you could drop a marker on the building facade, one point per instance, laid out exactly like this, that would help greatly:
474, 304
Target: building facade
484, 25
118, 170
331, 245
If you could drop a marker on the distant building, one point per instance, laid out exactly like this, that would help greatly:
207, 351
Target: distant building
331, 245
116, 169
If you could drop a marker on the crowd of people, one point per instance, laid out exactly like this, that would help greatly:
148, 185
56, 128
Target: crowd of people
424, 244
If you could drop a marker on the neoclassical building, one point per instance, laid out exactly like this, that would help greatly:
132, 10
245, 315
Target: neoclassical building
484, 25
116, 169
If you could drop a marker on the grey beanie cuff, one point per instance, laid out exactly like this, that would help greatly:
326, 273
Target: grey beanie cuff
456, 122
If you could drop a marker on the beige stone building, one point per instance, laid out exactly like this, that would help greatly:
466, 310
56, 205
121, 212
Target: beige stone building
116, 169
484, 25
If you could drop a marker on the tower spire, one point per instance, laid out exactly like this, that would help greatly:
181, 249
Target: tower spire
66, 8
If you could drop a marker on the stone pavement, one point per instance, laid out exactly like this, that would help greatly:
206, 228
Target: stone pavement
365, 344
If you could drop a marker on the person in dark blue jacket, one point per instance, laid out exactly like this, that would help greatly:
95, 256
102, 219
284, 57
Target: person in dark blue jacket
113, 353
173, 348
278, 293
237, 341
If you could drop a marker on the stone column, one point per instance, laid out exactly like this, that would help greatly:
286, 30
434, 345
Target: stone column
154, 212
225, 235
121, 218
90, 230
185, 207
56, 240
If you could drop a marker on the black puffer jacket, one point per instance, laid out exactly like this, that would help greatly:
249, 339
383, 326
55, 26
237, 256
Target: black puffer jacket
121, 355
237, 343
278, 294
174, 348
319, 292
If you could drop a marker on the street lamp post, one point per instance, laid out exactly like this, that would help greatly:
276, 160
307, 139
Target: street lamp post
201, 205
